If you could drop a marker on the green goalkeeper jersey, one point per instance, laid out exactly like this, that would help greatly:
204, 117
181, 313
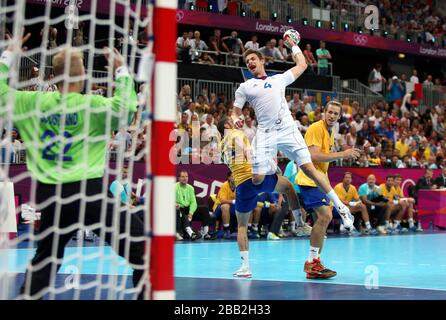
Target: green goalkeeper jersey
66, 136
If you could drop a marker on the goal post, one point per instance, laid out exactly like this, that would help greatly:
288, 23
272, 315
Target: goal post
163, 170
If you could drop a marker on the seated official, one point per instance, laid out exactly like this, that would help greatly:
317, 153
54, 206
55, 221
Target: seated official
377, 205
186, 204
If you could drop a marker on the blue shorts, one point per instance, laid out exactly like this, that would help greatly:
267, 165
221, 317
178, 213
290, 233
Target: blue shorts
218, 212
268, 185
246, 197
313, 198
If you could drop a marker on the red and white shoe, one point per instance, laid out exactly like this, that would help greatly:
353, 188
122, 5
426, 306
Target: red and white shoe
243, 272
315, 270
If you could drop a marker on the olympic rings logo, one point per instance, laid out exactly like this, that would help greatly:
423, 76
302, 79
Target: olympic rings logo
360, 39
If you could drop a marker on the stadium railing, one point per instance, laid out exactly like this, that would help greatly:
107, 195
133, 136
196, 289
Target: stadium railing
296, 11
197, 53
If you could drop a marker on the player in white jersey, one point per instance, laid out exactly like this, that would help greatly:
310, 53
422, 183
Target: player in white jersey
276, 128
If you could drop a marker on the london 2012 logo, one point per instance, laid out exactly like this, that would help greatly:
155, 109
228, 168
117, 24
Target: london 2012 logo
180, 16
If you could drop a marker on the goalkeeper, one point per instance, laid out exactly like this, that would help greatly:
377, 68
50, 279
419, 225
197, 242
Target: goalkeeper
65, 135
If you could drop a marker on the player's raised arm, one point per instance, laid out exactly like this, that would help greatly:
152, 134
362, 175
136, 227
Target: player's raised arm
124, 97
292, 38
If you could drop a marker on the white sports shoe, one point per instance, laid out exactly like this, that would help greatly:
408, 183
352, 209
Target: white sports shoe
272, 236
346, 216
243, 272
303, 231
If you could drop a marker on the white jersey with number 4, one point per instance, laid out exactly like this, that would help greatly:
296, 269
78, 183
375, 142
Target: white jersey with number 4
267, 96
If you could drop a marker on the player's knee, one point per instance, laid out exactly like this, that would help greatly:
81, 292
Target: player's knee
225, 207
325, 217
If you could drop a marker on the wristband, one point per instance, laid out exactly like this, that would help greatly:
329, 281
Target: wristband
7, 58
296, 50
122, 71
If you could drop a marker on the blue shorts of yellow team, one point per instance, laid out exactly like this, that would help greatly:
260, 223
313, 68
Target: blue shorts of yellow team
245, 197
218, 213
246, 193
313, 198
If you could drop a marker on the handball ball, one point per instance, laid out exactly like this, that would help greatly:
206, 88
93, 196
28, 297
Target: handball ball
293, 35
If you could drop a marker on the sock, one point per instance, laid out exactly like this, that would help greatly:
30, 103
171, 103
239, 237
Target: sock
396, 223
314, 254
298, 217
334, 197
255, 226
245, 258
205, 230
387, 223
293, 226
226, 227
411, 224
249, 225
189, 231
368, 225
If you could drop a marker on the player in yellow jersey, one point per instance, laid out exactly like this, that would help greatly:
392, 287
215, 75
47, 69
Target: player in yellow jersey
407, 203
320, 141
236, 152
394, 209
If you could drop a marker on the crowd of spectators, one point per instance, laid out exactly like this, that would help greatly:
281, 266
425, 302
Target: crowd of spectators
397, 133
228, 50
396, 17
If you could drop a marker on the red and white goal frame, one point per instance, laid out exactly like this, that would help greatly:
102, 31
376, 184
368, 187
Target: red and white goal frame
160, 168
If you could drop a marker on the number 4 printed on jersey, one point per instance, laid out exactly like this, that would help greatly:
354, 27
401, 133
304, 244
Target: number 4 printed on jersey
267, 85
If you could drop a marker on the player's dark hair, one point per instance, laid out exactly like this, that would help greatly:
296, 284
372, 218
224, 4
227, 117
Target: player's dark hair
347, 173
397, 176
181, 171
390, 176
252, 51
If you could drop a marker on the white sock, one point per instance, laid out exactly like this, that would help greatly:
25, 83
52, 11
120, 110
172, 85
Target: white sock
411, 224
245, 258
368, 225
255, 226
293, 226
334, 197
387, 223
249, 225
396, 223
205, 230
189, 231
298, 217
226, 225
314, 254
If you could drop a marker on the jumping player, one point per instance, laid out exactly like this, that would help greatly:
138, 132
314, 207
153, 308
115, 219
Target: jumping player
276, 128
320, 140
236, 152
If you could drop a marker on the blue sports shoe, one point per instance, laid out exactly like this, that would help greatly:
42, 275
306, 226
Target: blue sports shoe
354, 233
227, 235
399, 230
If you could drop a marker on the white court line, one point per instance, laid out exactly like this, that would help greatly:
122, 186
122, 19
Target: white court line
308, 281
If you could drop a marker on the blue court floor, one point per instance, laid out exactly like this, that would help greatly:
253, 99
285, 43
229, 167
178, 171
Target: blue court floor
409, 266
